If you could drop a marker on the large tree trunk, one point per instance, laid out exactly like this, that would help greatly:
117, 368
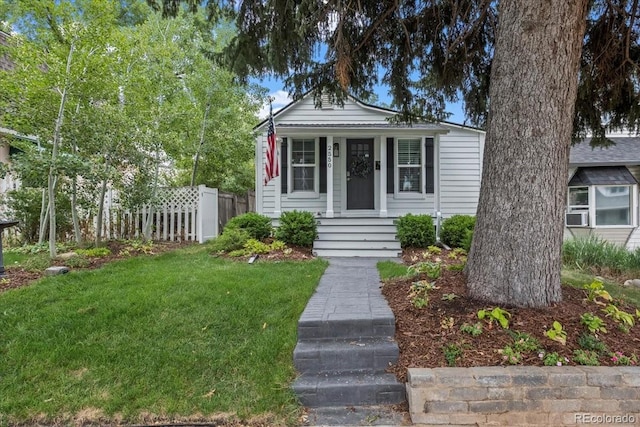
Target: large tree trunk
515, 256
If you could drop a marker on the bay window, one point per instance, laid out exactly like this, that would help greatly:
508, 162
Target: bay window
606, 195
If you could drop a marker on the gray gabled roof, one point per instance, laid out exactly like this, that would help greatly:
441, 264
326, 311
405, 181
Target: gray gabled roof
624, 151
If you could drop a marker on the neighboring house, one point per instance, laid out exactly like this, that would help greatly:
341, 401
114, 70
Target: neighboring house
603, 191
356, 172
8, 182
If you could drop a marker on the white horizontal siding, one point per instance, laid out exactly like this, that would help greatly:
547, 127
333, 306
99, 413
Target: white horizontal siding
460, 171
314, 205
305, 112
399, 207
618, 236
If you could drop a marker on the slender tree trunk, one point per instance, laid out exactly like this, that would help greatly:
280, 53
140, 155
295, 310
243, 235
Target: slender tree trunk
74, 211
99, 219
149, 218
53, 169
74, 204
44, 216
515, 256
195, 161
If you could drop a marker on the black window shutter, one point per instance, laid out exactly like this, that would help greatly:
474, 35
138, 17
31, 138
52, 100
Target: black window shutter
323, 164
284, 164
429, 165
390, 166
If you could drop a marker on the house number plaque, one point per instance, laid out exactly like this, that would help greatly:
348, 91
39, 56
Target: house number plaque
329, 156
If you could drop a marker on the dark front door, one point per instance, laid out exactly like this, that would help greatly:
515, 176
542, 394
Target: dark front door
360, 167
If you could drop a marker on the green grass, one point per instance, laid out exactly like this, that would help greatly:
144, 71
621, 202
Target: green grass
178, 334
15, 258
391, 269
578, 279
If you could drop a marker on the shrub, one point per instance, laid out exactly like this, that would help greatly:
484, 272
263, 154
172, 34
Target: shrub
77, 261
455, 229
297, 228
231, 239
94, 252
466, 242
415, 231
257, 226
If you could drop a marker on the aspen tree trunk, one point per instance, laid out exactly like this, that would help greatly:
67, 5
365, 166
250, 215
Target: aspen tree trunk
53, 169
533, 90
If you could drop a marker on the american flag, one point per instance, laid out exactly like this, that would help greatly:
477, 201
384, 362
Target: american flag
271, 166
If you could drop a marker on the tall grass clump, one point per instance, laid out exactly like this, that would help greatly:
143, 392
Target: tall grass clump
593, 253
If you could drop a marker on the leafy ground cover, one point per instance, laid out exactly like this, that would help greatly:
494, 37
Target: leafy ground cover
438, 325
181, 336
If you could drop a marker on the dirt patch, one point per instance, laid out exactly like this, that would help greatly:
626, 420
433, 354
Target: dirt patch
424, 334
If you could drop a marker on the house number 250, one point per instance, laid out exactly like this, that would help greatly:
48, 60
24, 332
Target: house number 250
329, 156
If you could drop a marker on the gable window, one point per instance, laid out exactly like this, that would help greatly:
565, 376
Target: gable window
409, 165
303, 164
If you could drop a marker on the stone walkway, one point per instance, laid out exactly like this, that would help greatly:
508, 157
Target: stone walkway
345, 343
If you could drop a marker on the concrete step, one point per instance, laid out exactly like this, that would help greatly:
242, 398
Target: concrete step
326, 390
356, 221
375, 236
370, 355
356, 228
364, 253
347, 329
356, 244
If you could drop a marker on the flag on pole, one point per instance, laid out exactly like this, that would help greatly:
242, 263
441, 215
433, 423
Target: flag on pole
271, 166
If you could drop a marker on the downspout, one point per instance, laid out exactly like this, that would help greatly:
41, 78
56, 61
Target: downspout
436, 185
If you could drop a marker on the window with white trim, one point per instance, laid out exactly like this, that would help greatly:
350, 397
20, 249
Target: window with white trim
612, 203
303, 164
578, 199
409, 163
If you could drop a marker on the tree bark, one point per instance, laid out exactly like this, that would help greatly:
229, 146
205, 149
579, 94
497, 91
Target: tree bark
53, 169
515, 257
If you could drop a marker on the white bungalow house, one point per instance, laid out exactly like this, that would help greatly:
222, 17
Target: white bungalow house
603, 191
357, 172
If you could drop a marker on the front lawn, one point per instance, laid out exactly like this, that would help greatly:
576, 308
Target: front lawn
182, 334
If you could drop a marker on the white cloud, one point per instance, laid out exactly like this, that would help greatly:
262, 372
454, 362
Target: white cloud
280, 99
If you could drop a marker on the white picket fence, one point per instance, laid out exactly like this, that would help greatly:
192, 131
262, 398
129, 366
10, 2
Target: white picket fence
179, 214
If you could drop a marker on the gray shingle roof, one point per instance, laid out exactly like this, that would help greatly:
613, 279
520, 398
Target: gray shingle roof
624, 151
604, 175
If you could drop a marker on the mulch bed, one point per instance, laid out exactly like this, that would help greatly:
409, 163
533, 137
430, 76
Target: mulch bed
423, 333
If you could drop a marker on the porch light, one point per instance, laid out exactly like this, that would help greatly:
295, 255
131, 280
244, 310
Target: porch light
336, 149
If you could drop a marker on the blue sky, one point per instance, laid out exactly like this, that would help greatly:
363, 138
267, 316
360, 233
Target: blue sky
276, 90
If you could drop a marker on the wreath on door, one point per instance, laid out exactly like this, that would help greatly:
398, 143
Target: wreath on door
360, 166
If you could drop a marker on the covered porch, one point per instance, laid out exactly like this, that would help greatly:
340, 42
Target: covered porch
358, 171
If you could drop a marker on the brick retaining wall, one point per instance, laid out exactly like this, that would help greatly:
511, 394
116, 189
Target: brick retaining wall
525, 395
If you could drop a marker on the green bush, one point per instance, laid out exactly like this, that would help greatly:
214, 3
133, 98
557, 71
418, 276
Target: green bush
24, 205
232, 239
297, 228
94, 252
416, 231
454, 230
466, 242
258, 226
